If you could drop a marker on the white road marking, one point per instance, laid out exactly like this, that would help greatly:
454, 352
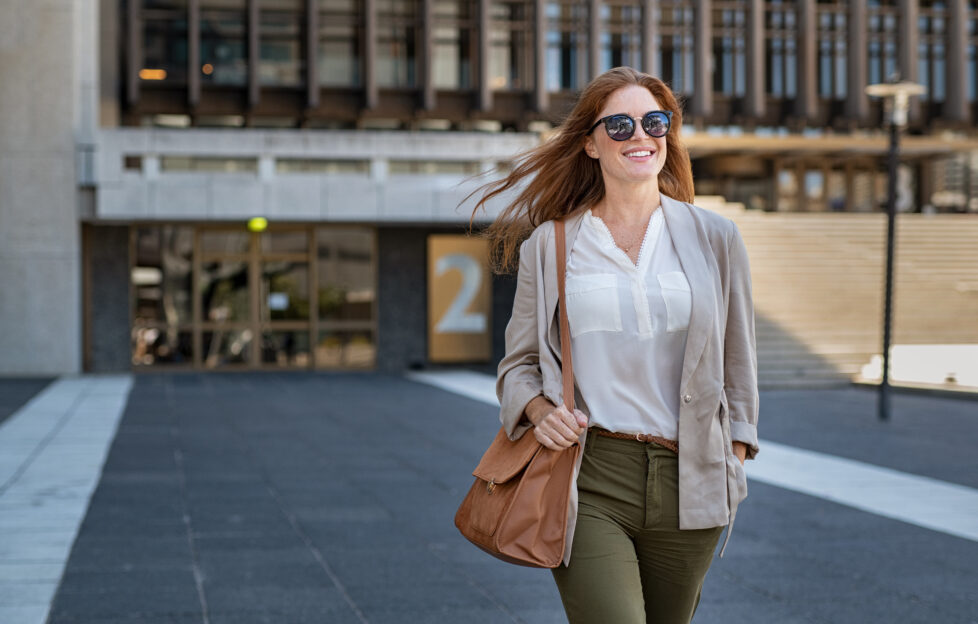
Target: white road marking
922, 501
51, 455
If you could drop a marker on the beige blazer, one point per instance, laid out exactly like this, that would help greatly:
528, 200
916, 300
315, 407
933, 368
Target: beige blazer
718, 390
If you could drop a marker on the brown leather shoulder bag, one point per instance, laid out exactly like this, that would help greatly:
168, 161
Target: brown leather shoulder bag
517, 508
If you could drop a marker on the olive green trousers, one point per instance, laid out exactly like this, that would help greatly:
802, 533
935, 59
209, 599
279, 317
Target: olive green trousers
630, 563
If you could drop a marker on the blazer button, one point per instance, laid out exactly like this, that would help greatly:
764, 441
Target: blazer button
687, 398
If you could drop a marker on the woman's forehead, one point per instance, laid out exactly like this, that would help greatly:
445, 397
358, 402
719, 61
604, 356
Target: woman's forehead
633, 100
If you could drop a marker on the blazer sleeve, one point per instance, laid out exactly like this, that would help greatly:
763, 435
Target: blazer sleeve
740, 351
518, 376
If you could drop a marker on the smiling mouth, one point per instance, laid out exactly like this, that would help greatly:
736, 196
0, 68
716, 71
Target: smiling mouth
639, 154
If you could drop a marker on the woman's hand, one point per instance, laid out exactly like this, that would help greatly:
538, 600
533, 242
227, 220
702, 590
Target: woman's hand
555, 427
740, 450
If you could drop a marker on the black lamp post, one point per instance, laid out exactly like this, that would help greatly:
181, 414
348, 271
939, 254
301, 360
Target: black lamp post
896, 105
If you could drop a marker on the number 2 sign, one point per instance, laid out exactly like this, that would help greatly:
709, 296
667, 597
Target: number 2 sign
458, 299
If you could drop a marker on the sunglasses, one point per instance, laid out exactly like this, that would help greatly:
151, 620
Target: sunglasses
621, 127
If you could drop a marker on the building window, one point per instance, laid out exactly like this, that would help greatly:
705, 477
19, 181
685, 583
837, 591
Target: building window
454, 41
346, 267
676, 25
972, 57
787, 189
621, 34
782, 49
511, 45
223, 47
164, 41
882, 40
433, 167
832, 50
340, 43
322, 166
281, 62
931, 58
205, 164
397, 43
729, 53
567, 56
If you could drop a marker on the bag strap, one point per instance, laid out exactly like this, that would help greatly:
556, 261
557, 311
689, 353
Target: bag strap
567, 365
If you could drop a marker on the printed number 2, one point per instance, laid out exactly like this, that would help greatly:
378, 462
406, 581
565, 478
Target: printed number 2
456, 319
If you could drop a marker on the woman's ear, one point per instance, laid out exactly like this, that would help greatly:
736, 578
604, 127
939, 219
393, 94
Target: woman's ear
590, 149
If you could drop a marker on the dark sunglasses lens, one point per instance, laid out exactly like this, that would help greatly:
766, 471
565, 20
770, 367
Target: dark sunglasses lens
656, 124
619, 127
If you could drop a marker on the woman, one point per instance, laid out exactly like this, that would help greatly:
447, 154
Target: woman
662, 336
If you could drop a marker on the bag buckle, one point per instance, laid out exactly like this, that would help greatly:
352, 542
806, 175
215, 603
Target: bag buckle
491, 485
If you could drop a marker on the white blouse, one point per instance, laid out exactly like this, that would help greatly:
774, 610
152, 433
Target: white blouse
628, 322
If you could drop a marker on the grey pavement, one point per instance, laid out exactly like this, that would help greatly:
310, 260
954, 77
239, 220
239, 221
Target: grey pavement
15, 392
293, 498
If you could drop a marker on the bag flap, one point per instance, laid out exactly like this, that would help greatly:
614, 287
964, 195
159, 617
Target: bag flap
505, 458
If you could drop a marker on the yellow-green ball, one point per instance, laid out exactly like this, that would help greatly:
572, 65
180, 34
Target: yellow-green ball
257, 224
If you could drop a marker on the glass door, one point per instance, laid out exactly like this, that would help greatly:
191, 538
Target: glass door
284, 287
224, 334
252, 302
218, 297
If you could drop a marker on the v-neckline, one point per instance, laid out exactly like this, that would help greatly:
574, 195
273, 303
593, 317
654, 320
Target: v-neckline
639, 266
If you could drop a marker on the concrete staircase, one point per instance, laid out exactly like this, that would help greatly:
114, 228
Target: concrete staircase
818, 283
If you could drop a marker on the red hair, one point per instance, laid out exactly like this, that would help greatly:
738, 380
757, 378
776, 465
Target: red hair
560, 177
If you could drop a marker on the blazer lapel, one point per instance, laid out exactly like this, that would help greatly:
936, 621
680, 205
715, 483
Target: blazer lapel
685, 237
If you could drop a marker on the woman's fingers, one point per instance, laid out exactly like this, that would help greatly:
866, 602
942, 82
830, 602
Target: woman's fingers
564, 430
545, 440
558, 430
576, 422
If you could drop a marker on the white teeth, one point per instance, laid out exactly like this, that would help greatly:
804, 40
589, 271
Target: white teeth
639, 154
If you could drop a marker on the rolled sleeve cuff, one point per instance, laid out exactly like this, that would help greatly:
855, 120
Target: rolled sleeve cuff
746, 433
513, 404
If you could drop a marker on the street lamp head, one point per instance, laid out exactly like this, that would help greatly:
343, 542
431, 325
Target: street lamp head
897, 97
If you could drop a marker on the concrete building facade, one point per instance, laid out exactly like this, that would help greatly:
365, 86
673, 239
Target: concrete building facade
139, 137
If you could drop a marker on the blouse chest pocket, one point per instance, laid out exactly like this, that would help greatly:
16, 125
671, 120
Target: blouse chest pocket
678, 299
592, 303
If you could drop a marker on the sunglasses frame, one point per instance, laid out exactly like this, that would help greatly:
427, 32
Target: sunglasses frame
604, 120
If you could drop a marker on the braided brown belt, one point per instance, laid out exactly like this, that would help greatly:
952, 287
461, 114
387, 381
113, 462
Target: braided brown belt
672, 445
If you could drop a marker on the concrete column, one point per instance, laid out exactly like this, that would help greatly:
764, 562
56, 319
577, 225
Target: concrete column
540, 96
254, 41
108, 285
134, 51
40, 260
426, 58
908, 42
651, 57
312, 54
806, 99
755, 96
193, 53
703, 59
857, 102
109, 62
956, 103
370, 95
594, 36
483, 21
86, 91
